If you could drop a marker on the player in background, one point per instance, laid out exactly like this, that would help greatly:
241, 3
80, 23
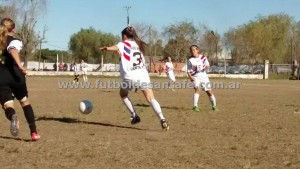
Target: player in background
76, 72
134, 73
10, 48
83, 69
197, 65
168, 67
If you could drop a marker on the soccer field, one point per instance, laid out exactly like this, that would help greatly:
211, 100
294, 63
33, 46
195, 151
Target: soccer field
256, 126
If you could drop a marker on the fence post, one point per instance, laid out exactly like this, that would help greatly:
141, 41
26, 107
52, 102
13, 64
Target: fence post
266, 72
295, 68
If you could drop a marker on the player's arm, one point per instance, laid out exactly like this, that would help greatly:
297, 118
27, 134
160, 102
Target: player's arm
15, 55
110, 48
206, 64
189, 70
190, 76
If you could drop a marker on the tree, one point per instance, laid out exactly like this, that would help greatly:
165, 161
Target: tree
151, 36
50, 55
25, 13
264, 38
85, 43
210, 45
179, 37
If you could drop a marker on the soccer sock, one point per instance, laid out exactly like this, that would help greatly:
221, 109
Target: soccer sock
171, 84
157, 109
213, 100
129, 106
29, 115
196, 98
9, 112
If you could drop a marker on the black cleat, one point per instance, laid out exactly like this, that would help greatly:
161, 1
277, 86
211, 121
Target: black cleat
135, 120
164, 125
14, 125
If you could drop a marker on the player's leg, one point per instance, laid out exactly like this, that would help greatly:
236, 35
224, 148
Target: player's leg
21, 94
6, 100
212, 99
11, 115
206, 86
126, 100
172, 81
7, 104
196, 96
148, 93
86, 77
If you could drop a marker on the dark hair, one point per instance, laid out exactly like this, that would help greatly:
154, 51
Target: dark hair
130, 33
194, 46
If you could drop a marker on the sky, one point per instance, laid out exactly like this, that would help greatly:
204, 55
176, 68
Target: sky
66, 17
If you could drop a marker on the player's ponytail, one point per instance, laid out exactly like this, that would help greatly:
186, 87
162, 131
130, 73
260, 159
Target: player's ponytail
7, 25
131, 33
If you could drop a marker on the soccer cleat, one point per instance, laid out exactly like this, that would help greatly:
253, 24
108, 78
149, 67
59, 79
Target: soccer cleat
164, 125
214, 107
35, 136
14, 125
196, 108
135, 120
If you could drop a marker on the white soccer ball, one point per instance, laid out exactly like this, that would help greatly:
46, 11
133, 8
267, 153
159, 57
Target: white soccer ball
85, 107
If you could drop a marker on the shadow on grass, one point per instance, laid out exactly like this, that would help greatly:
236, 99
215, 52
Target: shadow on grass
72, 120
15, 138
164, 107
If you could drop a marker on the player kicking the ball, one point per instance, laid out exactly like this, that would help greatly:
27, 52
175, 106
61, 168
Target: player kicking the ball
133, 73
197, 65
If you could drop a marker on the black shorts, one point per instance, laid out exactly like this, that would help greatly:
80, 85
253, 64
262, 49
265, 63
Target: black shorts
18, 85
12, 82
5, 90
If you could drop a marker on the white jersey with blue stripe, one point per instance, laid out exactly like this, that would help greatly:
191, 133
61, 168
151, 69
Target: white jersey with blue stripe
196, 66
132, 62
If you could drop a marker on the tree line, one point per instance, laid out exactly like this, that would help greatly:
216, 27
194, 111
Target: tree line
275, 37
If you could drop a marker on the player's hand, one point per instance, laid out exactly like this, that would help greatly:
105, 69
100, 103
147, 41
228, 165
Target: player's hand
23, 70
103, 48
192, 79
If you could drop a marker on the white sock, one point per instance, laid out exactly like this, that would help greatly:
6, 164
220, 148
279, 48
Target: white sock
213, 100
171, 84
196, 98
157, 109
129, 106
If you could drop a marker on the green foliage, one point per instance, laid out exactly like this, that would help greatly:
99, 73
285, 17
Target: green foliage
51, 55
180, 37
264, 38
85, 45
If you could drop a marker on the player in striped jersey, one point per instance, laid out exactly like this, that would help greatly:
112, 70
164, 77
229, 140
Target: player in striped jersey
170, 73
197, 65
134, 73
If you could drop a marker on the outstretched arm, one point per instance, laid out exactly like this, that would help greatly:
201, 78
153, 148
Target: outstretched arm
110, 48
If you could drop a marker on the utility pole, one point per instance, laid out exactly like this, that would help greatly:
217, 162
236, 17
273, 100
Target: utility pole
127, 9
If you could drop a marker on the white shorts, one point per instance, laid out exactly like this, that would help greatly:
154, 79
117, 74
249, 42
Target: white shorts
141, 83
171, 76
203, 83
83, 72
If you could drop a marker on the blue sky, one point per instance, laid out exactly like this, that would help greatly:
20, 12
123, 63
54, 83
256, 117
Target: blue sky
66, 17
